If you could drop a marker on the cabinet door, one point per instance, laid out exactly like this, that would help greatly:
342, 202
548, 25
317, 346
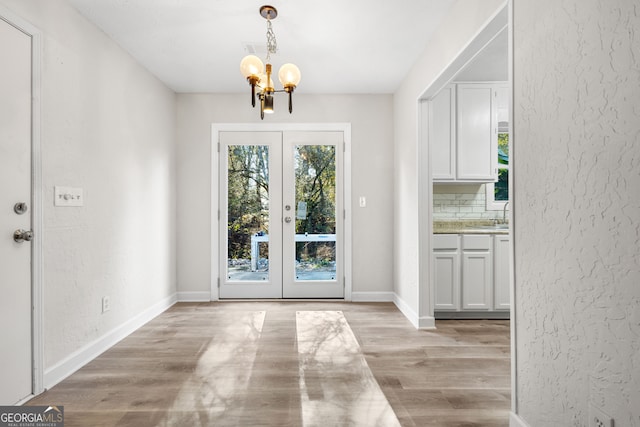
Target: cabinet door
442, 128
476, 137
446, 266
477, 280
502, 294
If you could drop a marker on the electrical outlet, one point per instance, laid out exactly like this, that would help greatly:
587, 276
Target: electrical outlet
106, 304
597, 418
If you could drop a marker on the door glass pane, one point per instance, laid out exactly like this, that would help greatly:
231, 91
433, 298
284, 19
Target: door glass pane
248, 213
315, 210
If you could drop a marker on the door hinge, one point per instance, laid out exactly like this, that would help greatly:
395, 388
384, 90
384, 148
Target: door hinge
218, 283
344, 214
218, 146
218, 214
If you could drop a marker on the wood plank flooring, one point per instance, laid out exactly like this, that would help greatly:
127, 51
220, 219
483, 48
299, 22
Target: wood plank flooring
238, 364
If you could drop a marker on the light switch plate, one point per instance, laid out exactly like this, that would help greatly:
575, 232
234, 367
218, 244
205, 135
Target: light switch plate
68, 196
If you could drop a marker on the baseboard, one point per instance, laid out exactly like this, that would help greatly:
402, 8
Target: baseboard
424, 322
406, 310
79, 358
372, 296
427, 322
194, 296
452, 315
516, 421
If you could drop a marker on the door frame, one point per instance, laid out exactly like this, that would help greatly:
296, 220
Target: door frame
216, 128
37, 323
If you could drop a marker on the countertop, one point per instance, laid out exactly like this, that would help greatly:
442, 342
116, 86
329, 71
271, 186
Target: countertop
471, 226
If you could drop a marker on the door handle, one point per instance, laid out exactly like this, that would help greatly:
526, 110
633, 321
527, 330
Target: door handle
22, 235
287, 219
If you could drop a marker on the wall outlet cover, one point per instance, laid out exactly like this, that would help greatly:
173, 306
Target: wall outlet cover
106, 304
597, 418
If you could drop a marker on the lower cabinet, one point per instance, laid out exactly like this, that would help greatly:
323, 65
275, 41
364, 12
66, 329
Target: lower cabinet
501, 273
471, 272
446, 270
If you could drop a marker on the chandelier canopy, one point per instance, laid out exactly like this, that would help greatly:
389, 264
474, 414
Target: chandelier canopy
259, 75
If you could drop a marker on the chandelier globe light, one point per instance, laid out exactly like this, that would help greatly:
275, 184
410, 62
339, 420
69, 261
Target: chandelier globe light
259, 75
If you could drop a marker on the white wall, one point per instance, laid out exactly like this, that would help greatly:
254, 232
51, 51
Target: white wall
108, 127
577, 210
372, 176
463, 21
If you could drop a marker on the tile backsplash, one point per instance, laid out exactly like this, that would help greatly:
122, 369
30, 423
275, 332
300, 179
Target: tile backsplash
468, 201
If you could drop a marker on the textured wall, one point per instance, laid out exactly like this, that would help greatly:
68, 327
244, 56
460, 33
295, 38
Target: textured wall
371, 172
107, 126
577, 209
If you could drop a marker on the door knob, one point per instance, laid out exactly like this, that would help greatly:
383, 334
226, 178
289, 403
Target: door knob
22, 235
287, 219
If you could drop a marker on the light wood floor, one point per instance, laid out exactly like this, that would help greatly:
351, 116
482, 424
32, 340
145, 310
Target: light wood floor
207, 364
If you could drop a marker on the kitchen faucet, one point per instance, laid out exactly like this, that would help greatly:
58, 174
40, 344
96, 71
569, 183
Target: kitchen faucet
504, 213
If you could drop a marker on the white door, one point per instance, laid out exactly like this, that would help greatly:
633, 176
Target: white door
281, 215
15, 176
313, 228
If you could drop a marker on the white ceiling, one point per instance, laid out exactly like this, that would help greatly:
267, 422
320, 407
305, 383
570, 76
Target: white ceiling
491, 64
340, 46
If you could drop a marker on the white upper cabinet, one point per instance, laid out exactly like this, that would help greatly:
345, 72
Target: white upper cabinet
477, 140
463, 125
443, 134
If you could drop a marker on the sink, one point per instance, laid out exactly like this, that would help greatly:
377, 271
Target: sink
493, 227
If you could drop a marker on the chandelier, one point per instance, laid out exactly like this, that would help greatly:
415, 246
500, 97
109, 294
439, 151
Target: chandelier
258, 75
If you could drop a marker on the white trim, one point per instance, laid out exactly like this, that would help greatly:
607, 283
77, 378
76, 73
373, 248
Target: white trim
348, 238
516, 421
491, 28
406, 310
372, 296
37, 322
512, 209
194, 296
216, 128
23, 401
425, 219
490, 203
427, 322
81, 357
422, 322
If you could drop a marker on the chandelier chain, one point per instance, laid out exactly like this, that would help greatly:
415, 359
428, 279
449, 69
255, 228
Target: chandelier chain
272, 44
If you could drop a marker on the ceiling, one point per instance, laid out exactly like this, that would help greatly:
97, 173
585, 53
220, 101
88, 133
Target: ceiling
491, 63
355, 46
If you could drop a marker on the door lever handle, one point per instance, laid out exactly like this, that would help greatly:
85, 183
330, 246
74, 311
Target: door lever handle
22, 235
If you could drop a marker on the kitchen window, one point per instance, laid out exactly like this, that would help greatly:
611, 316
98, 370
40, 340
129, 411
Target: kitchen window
497, 194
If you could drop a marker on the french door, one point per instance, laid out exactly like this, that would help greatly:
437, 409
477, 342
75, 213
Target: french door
281, 215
